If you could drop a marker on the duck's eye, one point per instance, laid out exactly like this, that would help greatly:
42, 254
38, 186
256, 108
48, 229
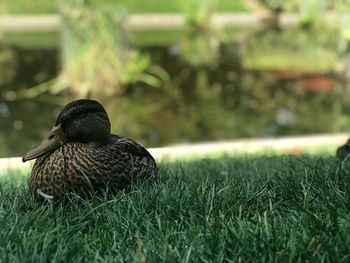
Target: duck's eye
51, 136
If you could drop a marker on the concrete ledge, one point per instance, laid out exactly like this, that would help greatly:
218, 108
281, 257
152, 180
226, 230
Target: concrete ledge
292, 144
282, 144
136, 22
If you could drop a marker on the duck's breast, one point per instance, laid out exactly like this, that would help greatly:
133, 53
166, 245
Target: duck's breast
76, 167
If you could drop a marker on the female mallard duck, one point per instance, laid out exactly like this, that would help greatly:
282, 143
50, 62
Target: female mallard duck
81, 155
344, 150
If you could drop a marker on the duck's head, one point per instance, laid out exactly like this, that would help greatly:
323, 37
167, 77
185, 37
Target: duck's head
81, 120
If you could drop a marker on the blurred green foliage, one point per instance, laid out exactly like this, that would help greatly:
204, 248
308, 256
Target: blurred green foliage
196, 84
7, 64
295, 49
201, 42
96, 58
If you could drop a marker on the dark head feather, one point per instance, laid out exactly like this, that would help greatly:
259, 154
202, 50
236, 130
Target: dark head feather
85, 121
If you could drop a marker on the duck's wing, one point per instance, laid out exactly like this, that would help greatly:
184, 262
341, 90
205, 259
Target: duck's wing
130, 146
139, 154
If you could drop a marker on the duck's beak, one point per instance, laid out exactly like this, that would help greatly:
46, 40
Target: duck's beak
54, 140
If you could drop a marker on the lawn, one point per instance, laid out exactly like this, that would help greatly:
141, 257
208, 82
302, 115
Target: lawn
247, 209
133, 6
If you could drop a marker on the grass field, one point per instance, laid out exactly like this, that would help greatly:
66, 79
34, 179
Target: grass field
244, 209
133, 6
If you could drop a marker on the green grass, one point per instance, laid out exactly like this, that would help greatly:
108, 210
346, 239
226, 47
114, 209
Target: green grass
317, 60
133, 6
47, 40
249, 209
34, 40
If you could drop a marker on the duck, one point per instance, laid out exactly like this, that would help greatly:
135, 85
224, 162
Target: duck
80, 155
343, 151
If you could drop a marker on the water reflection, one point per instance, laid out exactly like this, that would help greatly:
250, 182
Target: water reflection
272, 82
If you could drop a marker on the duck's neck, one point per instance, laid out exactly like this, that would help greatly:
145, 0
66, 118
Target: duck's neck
94, 134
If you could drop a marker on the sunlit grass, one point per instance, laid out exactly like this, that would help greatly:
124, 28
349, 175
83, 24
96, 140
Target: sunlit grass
267, 208
34, 40
134, 6
318, 59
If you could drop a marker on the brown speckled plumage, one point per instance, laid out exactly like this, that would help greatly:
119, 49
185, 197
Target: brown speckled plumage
85, 167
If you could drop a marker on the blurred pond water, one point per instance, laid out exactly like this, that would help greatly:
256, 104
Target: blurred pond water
267, 83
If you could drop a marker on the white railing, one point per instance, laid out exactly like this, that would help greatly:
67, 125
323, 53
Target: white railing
15, 23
